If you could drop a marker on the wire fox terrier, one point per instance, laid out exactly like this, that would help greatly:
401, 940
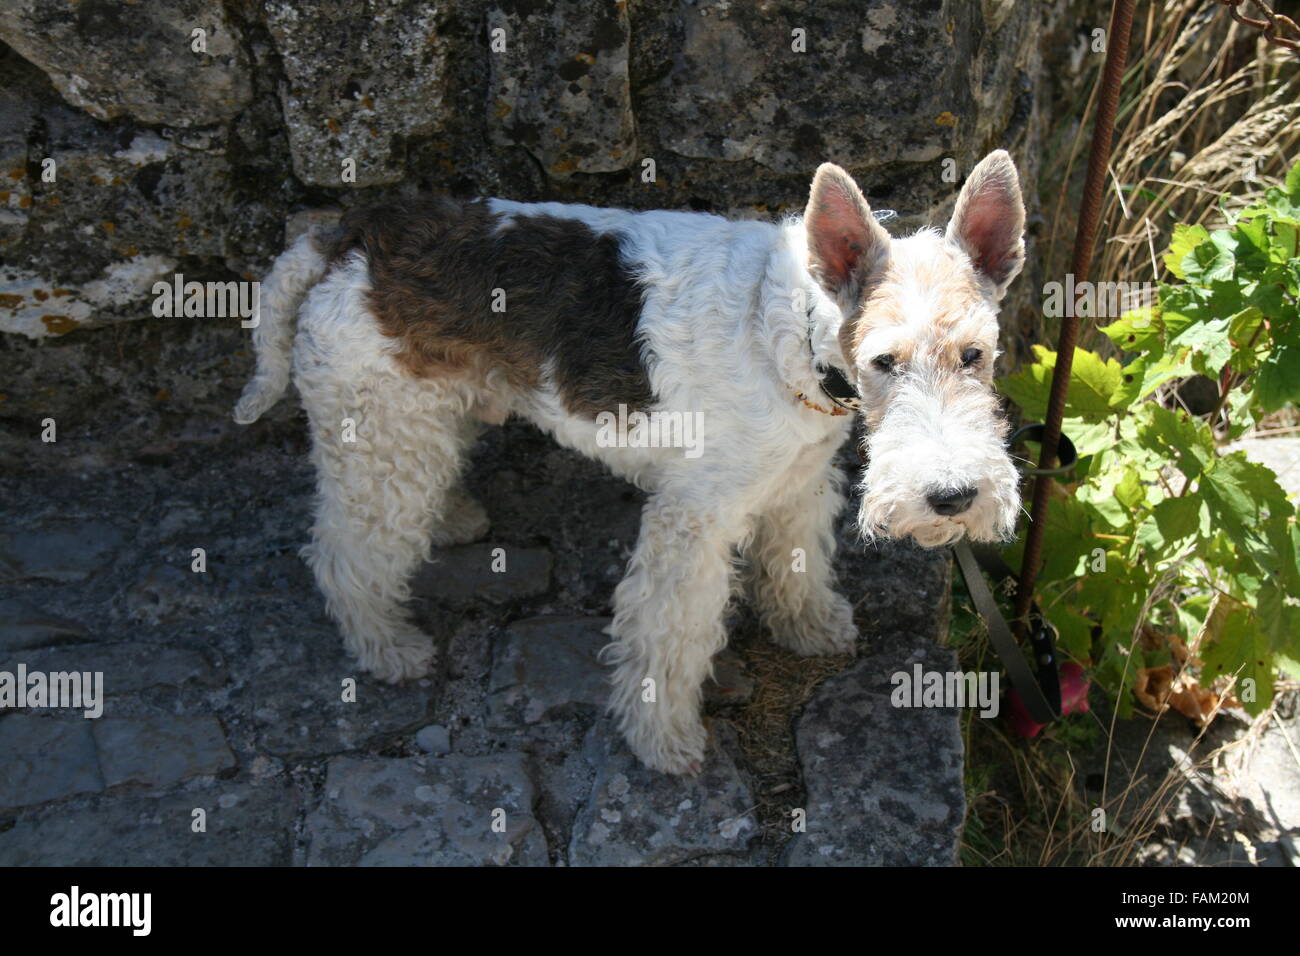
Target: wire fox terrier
418, 321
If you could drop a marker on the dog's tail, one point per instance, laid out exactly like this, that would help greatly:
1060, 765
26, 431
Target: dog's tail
299, 268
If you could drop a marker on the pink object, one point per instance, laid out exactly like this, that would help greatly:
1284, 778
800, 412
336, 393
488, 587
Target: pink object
1074, 700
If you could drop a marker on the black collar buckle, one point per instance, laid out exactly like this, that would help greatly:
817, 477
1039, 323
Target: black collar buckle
838, 388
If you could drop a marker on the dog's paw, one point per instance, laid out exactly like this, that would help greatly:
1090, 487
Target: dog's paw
463, 520
819, 630
407, 658
680, 752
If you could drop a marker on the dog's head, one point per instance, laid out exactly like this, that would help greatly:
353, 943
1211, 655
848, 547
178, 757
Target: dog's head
919, 337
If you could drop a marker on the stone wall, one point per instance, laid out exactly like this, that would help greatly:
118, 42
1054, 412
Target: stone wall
181, 151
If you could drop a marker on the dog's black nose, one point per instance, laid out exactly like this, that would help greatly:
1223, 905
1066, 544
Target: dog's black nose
952, 502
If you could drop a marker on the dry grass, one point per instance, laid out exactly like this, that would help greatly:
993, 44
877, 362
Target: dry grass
765, 725
1208, 109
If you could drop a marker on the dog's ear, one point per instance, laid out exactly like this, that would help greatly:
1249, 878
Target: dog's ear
845, 243
988, 222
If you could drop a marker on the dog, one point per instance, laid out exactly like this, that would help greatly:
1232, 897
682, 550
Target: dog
419, 322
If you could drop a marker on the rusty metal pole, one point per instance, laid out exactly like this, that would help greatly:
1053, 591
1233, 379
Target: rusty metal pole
1121, 23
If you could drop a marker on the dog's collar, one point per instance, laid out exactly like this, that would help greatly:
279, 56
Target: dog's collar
837, 388
843, 396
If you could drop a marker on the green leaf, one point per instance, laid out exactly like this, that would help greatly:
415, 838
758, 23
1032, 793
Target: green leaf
1241, 494
1178, 518
1286, 644
1185, 239
1270, 610
1069, 529
1270, 297
1241, 648
1293, 183
1029, 388
1092, 384
1211, 261
1186, 438
1243, 326
1279, 374
1284, 539
1243, 414
1209, 343
1088, 437
1281, 206
1136, 331
1074, 632
1177, 322
1107, 506
1191, 613
1146, 373
1116, 597
1285, 245
1129, 490
1254, 239
1068, 532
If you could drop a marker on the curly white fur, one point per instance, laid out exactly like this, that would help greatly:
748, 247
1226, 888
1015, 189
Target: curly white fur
728, 314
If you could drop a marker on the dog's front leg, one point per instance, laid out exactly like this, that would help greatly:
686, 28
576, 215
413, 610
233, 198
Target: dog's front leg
668, 624
792, 563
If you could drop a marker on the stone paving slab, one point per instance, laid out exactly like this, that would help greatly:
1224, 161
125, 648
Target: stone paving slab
542, 664
126, 667
69, 551
1215, 809
884, 783
23, 627
419, 811
298, 706
246, 825
463, 575
1224, 853
160, 751
638, 817
1269, 776
165, 592
511, 715
46, 758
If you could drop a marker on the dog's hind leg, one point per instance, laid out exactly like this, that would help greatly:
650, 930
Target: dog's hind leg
792, 563
462, 518
387, 449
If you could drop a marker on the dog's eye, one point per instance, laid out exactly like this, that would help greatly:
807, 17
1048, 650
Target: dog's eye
884, 362
970, 357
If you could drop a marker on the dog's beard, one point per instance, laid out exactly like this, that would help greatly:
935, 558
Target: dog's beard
991, 517
919, 448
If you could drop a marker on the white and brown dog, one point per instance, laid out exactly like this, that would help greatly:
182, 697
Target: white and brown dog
421, 321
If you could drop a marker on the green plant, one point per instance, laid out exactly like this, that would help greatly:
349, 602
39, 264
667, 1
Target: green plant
1165, 550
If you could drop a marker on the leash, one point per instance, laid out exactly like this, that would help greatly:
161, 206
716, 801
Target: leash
1039, 686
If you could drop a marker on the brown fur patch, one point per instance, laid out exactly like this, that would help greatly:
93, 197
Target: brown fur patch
569, 297
952, 289
849, 333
